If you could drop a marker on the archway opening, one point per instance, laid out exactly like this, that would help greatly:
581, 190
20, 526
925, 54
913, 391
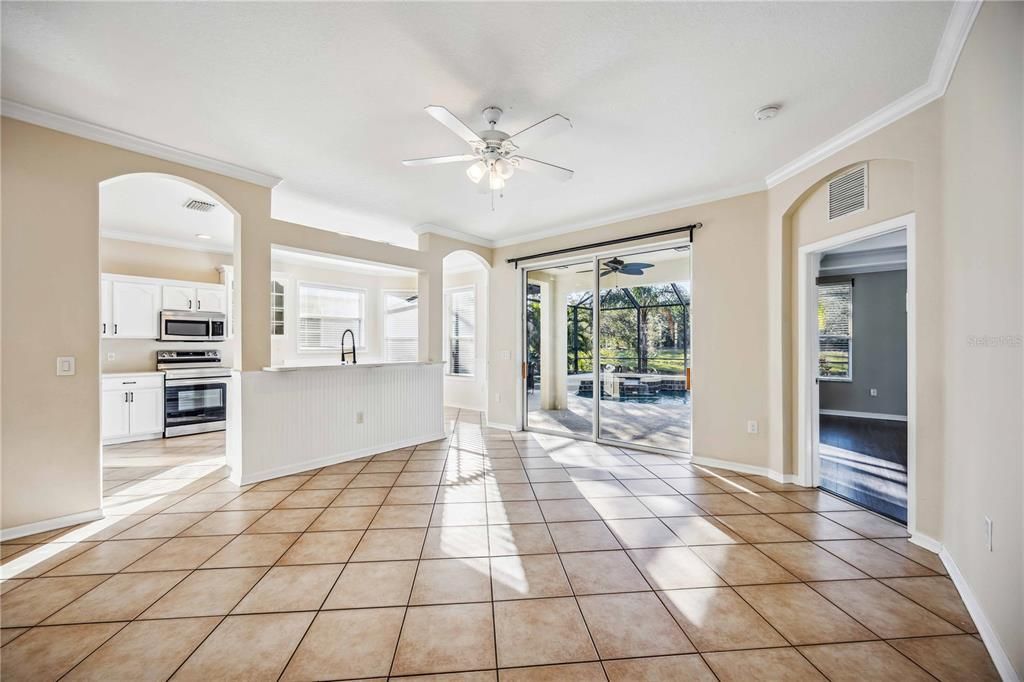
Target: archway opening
465, 321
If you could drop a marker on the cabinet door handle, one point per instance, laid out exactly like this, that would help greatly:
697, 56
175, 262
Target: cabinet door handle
199, 304
190, 304
132, 398
115, 327
126, 396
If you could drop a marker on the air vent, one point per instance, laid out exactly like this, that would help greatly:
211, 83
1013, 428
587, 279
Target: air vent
199, 205
848, 193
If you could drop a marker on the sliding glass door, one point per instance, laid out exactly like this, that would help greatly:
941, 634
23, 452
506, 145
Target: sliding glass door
641, 304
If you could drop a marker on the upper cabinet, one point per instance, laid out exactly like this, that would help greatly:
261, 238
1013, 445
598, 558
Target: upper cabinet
130, 306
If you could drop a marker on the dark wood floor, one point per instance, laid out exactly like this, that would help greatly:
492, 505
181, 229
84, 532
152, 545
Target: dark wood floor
865, 460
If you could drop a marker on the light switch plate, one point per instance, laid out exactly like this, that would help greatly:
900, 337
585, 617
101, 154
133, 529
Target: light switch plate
66, 366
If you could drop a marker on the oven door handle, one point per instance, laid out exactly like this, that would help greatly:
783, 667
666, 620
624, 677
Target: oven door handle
171, 383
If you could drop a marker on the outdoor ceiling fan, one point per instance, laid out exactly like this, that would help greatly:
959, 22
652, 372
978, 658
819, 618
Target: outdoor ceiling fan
617, 265
495, 154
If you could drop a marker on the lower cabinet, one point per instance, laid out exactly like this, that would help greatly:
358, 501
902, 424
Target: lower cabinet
133, 407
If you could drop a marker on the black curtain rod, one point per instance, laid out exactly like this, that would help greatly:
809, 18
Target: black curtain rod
609, 242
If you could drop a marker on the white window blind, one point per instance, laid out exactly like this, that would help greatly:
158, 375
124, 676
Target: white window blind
835, 331
277, 307
461, 324
325, 313
400, 325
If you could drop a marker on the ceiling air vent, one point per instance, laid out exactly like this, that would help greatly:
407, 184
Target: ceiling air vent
199, 205
848, 193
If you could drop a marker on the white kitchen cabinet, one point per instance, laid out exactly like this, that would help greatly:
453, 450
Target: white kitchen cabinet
211, 299
179, 297
133, 407
135, 310
106, 308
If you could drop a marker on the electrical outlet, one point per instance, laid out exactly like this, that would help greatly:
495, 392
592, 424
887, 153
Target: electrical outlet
66, 366
359, 418
874, 392
505, 355
988, 533
752, 426
111, 357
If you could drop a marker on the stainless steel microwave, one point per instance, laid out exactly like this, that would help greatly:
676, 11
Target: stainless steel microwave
181, 325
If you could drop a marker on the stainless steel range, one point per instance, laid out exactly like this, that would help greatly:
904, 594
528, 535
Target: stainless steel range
195, 391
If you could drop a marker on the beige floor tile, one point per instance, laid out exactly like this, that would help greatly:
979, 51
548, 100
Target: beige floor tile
717, 619
540, 632
759, 528
413, 495
162, 525
401, 516
252, 550
950, 658
32, 602
389, 545
413, 478
290, 588
807, 561
582, 536
224, 523
815, 526
648, 486
347, 645
525, 511
802, 615
867, 524
362, 497
372, 584
721, 504
202, 502
327, 482
49, 652
858, 661
344, 518
255, 499
465, 492
779, 665
568, 510
364, 480
205, 593
451, 581
603, 572
466, 642
145, 650
228, 652
743, 565
120, 597
525, 577
691, 485
911, 551
938, 595
461, 514
313, 499
344, 468
668, 568
520, 538
283, 483
180, 554
671, 505
640, 533
817, 500
768, 502
110, 556
702, 530
873, 559
284, 521
883, 610
637, 624
329, 547
455, 542
661, 669
567, 672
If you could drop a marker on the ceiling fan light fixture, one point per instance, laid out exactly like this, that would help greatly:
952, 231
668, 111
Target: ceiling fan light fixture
497, 182
477, 171
504, 168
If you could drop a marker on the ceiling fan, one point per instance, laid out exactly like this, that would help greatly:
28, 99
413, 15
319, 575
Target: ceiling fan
495, 154
617, 265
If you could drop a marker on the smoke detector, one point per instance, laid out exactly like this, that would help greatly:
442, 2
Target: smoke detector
767, 112
200, 205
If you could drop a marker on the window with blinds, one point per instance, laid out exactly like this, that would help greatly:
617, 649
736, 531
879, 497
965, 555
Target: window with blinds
277, 307
400, 325
460, 311
325, 312
835, 331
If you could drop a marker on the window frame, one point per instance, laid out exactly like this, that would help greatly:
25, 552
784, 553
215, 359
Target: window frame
384, 312
848, 379
284, 280
360, 342
447, 331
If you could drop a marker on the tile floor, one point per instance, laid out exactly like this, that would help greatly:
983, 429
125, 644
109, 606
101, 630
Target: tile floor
485, 556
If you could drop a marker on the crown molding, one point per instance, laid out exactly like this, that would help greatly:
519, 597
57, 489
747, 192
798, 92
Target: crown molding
958, 27
133, 143
163, 241
430, 228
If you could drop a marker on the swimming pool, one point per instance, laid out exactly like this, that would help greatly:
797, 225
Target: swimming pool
659, 397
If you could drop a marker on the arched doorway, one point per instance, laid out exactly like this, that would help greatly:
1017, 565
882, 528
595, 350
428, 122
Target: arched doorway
465, 321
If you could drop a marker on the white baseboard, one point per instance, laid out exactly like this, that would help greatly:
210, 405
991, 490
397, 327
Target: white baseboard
506, 427
988, 634
865, 415
306, 465
50, 524
744, 469
926, 542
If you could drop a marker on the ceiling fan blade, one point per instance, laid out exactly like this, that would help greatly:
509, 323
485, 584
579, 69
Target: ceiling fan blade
607, 272
543, 168
640, 265
452, 122
552, 125
434, 160
631, 271
580, 272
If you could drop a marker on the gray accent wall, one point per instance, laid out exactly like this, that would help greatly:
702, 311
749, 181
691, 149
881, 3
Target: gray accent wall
879, 348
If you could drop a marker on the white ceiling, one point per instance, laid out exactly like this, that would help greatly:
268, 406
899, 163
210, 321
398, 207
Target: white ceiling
888, 240
329, 96
151, 208
331, 262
